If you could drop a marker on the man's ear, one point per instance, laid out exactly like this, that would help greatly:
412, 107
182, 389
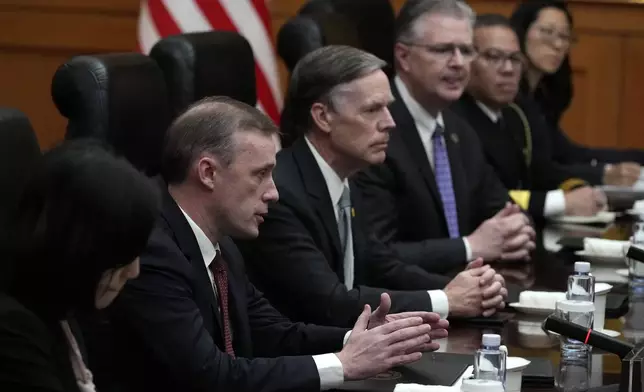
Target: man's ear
206, 170
322, 116
401, 56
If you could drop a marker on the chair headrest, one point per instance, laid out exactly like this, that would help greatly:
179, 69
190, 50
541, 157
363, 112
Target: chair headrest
297, 37
120, 98
366, 24
19, 153
198, 65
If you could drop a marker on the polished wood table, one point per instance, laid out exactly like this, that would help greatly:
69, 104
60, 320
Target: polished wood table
522, 334
548, 271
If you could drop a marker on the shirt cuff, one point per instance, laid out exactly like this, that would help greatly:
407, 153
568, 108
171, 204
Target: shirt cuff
440, 303
468, 250
330, 371
555, 203
346, 337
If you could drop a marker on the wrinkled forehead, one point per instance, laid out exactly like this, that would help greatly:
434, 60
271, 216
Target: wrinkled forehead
254, 148
436, 28
371, 89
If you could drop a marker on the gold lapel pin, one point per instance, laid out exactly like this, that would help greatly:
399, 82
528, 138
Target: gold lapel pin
353, 212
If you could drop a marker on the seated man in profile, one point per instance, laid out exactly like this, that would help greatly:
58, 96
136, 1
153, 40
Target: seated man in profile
435, 200
511, 131
315, 257
192, 321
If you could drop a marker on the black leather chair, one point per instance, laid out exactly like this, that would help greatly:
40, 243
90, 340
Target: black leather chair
19, 152
365, 24
119, 98
198, 65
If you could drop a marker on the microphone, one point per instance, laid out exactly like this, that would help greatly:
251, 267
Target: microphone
588, 336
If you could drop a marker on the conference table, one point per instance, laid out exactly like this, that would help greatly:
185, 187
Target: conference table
521, 333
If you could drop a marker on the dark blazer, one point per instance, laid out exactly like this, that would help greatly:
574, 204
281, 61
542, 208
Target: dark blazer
166, 322
34, 354
402, 199
297, 261
522, 160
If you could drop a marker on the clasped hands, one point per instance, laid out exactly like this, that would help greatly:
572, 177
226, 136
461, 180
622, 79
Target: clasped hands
508, 235
380, 341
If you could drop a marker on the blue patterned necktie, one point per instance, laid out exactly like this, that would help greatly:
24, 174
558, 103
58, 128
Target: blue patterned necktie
443, 175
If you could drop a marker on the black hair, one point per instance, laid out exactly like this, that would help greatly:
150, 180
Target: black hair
555, 91
83, 211
492, 20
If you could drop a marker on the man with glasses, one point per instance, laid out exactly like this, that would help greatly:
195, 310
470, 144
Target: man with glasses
512, 132
435, 199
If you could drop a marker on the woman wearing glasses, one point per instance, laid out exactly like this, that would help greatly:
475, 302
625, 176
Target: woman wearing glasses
82, 221
545, 31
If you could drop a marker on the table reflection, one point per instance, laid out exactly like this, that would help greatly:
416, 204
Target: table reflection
548, 270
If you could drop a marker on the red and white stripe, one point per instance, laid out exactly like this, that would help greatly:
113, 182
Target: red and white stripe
250, 18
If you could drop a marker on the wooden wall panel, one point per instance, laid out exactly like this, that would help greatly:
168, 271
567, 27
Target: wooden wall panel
37, 35
594, 115
632, 113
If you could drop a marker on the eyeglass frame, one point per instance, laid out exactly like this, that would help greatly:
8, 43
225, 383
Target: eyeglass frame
519, 62
550, 35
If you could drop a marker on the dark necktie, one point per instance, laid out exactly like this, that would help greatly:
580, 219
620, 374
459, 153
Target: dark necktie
344, 229
443, 174
221, 281
344, 217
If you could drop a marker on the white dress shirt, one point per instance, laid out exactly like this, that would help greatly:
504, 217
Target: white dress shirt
426, 125
329, 366
335, 185
555, 203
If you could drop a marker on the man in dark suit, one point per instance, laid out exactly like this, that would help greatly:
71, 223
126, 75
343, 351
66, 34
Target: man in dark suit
513, 133
192, 321
435, 199
314, 263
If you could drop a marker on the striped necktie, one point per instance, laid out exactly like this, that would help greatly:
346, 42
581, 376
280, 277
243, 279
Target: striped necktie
443, 174
221, 281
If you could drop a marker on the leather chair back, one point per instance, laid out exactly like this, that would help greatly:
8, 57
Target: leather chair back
198, 65
119, 98
19, 153
365, 24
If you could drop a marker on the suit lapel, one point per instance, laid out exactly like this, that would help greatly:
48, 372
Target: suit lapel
514, 128
459, 178
406, 127
358, 235
188, 244
319, 195
490, 133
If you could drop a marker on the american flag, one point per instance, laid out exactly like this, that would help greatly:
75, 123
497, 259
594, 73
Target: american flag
250, 18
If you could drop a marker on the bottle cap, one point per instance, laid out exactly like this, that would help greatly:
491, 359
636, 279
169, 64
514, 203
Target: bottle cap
582, 266
491, 339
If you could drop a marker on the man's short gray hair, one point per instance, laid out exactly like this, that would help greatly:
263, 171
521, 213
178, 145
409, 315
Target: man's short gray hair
413, 10
320, 77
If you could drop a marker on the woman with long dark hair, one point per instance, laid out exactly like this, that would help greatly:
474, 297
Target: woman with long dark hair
545, 30
81, 223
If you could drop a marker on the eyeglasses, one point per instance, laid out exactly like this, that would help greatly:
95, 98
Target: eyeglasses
446, 52
497, 58
550, 34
